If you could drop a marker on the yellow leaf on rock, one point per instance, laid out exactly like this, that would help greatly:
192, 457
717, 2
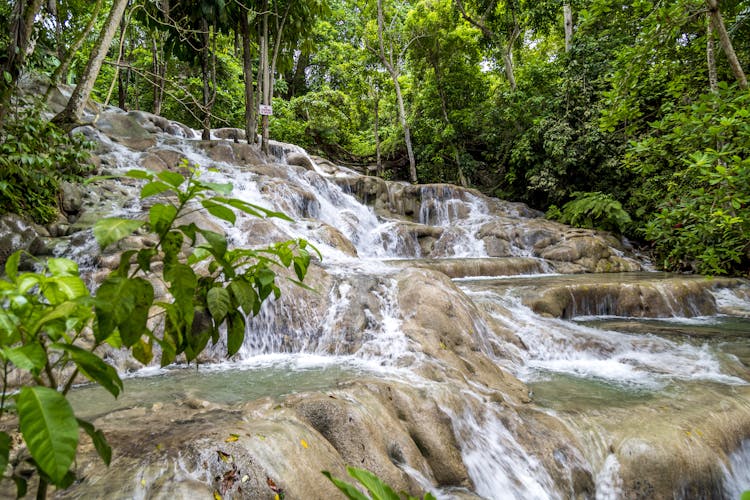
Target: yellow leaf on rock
232, 438
303, 443
216, 495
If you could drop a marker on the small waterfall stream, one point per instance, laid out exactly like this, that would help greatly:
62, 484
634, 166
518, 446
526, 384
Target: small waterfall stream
578, 365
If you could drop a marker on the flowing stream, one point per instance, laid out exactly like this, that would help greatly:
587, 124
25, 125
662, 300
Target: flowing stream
600, 371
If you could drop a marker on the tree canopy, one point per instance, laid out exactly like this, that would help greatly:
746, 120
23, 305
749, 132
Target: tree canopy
637, 103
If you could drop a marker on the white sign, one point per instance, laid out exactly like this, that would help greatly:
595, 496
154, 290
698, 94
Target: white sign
265, 110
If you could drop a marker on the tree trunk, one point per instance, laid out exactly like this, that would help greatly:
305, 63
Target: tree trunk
444, 108
205, 69
393, 70
72, 112
407, 131
713, 79
568, 20
726, 43
266, 72
21, 26
159, 69
378, 160
62, 68
251, 125
123, 77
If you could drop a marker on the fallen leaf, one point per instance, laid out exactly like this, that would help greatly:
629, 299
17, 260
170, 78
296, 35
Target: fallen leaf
225, 457
216, 495
303, 443
232, 438
245, 478
143, 482
230, 477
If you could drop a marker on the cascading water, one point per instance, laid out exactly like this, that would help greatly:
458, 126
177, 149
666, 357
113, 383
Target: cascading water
356, 321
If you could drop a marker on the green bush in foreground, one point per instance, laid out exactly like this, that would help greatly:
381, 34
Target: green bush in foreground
51, 326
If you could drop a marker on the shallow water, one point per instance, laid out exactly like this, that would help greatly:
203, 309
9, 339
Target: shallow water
225, 384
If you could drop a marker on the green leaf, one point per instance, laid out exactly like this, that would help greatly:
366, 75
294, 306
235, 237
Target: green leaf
64, 310
137, 324
61, 288
348, 489
143, 351
62, 267
216, 241
30, 357
160, 217
244, 295
219, 211
219, 188
172, 178
153, 188
93, 367
97, 437
219, 302
235, 332
144, 258
49, 428
265, 276
11, 265
123, 303
110, 230
139, 174
183, 281
377, 488
5, 443
745, 495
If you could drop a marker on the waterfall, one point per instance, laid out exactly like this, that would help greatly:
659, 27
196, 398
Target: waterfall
580, 343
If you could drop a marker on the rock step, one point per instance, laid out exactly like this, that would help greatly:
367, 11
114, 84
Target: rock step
469, 268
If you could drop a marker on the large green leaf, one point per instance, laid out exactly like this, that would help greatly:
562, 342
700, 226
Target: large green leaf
49, 428
30, 357
182, 283
235, 332
110, 230
136, 324
219, 211
172, 178
113, 304
97, 437
154, 188
377, 488
62, 267
160, 216
11, 265
61, 288
348, 489
61, 311
219, 302
244, 295
93, 367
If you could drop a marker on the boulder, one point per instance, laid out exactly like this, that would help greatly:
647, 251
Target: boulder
17, 233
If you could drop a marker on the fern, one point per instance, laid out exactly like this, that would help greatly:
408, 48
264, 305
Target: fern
593, 210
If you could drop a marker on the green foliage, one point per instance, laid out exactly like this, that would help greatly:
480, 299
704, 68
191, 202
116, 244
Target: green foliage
35, 156
592, 210
695, 188
51, 326
376, 488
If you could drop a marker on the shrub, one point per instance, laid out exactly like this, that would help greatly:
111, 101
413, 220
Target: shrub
35, 156
592, 210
